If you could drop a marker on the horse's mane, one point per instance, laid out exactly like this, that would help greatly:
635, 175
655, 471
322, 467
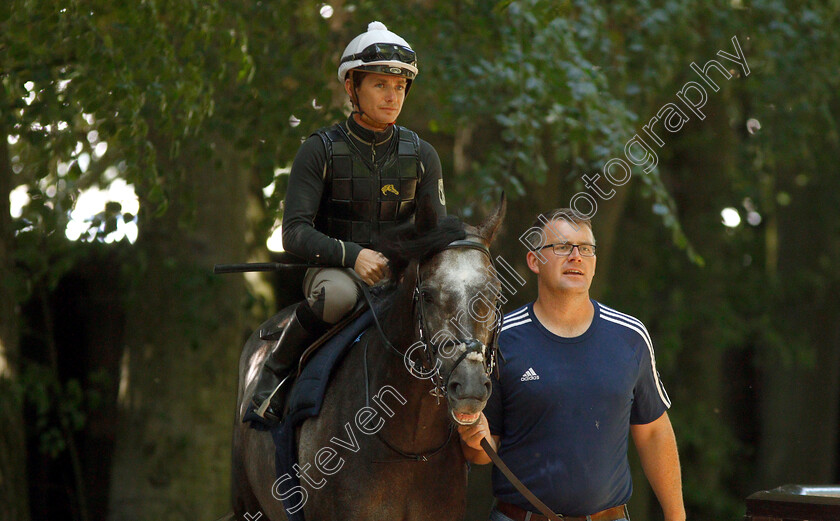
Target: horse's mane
406, 243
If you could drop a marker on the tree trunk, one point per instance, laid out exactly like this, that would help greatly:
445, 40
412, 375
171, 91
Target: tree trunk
14, 498
606, 225
184, 331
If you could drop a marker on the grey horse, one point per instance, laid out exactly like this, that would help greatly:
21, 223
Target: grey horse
385, 445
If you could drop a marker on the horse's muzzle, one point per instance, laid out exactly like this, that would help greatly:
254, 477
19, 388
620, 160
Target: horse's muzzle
465, 408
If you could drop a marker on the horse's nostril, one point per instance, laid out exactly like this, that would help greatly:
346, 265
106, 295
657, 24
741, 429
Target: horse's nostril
454, 387
488, 387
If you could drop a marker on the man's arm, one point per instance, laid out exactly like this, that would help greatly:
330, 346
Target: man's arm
471, 436
657, 448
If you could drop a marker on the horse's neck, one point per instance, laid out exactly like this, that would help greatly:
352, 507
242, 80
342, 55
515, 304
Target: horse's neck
415, 421
422, 420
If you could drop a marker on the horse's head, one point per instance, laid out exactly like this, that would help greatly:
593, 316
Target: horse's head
456, 310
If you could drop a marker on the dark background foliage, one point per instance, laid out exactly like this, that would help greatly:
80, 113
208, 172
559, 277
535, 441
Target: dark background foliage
118, 359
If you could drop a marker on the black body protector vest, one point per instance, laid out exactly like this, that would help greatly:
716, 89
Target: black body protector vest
362, 200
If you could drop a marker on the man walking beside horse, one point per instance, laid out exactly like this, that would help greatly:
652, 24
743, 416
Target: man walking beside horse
577, 377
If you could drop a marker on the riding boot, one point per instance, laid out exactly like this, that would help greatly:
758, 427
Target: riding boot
278, 368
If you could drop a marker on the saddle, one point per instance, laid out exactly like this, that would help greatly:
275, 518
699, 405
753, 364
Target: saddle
275, 330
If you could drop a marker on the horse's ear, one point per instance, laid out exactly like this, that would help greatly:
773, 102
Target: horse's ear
487, 229
426, 218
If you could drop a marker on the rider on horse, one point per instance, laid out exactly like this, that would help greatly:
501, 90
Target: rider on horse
349, 183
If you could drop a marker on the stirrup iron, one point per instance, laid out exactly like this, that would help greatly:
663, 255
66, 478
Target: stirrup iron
267, 402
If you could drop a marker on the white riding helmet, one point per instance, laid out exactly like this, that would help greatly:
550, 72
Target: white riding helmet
379, 50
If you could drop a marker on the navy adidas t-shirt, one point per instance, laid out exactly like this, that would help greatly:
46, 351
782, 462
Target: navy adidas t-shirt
563, 407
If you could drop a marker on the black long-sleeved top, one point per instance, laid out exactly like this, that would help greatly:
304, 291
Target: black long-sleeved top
306, 186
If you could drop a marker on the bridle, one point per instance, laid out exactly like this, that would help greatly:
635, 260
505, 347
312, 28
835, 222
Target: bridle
431, 349
470, 345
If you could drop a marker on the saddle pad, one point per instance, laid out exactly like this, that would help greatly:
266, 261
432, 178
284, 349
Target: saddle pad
305, 400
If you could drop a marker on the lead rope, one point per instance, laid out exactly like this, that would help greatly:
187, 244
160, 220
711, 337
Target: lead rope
534, 500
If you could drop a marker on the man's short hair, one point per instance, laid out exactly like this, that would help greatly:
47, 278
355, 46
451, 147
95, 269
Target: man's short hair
565, 214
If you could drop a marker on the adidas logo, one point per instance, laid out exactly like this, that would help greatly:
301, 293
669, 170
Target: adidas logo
530, 374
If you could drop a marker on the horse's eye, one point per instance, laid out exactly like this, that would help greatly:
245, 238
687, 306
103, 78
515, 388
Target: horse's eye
427, 296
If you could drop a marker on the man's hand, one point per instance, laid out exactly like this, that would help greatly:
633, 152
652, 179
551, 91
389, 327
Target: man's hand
471, 436
371, 266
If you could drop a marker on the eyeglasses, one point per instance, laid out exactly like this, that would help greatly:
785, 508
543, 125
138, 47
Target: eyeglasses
384, 52
564, 249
